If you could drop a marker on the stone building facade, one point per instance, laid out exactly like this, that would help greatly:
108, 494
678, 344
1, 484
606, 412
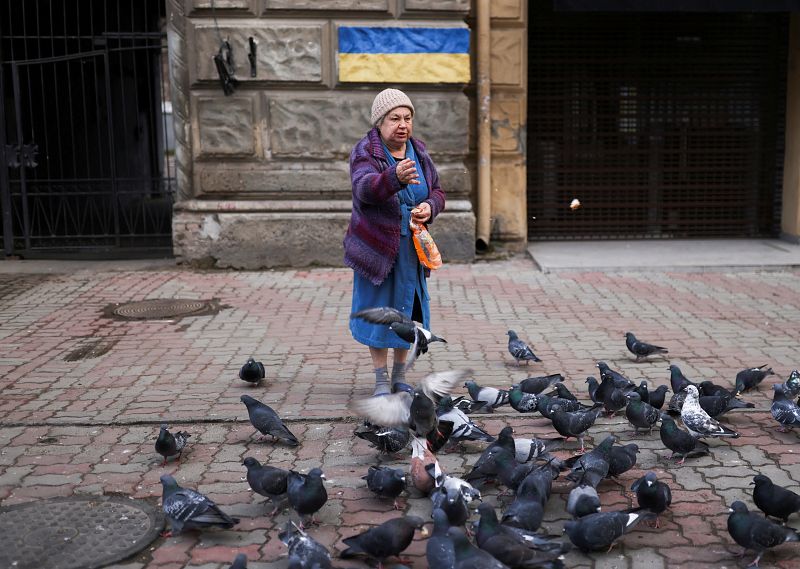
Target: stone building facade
263, 175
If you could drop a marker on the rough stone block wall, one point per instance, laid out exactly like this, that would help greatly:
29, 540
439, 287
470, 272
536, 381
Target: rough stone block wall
265, 180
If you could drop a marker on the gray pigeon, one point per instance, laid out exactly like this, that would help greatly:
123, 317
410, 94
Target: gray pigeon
774, 500
187, 509
598, 532
519, 349
521, 401
592, 467
755, 532
640, 414
652, 495
304, 551
750, 378
239, 562
404, 327
582, 501
252, 371
491, 397
698, 422
538, 384
451, 501
388, 440
641, 349
619, 380
307, 494
622, 459
411, 407
463, 427
439, 549
450, 483
266, 421
784, 410
574, 424
267, 481
388, 539
681, 443
470, 557
169, 445
529, 449
386, 482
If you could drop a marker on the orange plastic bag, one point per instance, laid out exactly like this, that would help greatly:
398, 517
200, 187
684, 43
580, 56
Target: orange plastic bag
427, 251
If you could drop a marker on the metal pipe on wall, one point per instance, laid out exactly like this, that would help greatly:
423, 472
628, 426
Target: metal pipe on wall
484, 214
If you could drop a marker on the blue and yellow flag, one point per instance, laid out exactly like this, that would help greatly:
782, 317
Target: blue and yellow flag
404, 55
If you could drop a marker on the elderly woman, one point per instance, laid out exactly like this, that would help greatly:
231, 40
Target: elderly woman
394, 182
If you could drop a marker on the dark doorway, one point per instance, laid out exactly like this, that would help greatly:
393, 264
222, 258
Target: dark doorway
85, 125
663, 125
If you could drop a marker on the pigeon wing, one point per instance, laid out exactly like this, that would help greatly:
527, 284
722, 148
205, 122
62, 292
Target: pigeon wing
382, 315
444, 382
392, 410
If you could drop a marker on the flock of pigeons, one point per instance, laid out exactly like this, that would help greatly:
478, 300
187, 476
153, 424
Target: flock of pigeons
428, 418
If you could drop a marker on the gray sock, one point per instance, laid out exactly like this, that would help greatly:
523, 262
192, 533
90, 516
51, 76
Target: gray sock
382, 386
398, 372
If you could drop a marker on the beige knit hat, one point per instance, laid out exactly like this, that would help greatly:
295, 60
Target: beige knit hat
387, 100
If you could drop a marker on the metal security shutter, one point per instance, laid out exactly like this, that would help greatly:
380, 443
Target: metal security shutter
662, 125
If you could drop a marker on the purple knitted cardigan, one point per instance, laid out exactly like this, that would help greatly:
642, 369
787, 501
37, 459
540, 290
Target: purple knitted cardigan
373, 236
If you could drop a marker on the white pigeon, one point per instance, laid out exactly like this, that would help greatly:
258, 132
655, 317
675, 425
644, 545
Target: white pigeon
698, 422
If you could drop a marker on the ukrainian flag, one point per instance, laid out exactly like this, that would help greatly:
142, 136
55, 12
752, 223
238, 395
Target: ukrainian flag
404, 55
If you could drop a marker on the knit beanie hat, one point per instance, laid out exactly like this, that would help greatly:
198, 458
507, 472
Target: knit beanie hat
387, 100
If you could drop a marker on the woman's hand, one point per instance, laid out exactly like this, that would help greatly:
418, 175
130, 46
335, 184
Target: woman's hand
407, 172
421, 213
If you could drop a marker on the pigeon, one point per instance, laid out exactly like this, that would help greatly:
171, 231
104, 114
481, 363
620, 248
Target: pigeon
388, 440
614, 400
252, 372
717, 405
574, 424
239, 562
307, 493
592, 467
564, 393
169, 445
598, 532
622, 459
773, 500
469, 492
643, 392
620, 381
507, 548
547, 402
784, 410
519, 349
677, 380
526, 450
411, 407
711, 388
640, 414
267, 481
187, 509
386, 482
680, 442
748, 379
491, 397
525, 512
424, 469
752, 531
582, 501
793, 383
388, 539
439, 549
538, 483
658, 395
463, 427
403, 326
266, 421
452, 502
470, 557
641, 349
304, 551
521, 401
593, 387
498, 456
652, 494
538, 384
698, 422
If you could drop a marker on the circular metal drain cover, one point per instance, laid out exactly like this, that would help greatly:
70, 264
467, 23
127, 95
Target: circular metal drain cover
71, 533
157, 309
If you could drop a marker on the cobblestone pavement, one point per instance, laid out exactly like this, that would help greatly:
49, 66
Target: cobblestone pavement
75, 422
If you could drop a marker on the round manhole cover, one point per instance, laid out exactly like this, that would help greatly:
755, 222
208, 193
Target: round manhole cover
72, 533
162, 308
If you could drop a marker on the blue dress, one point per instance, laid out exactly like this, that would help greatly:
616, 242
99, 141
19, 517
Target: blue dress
406, 279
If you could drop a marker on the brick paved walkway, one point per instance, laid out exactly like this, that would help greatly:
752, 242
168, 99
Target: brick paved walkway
87, 426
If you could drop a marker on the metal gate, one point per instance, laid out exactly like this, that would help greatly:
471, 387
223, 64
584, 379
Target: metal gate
662, 125
84, 129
